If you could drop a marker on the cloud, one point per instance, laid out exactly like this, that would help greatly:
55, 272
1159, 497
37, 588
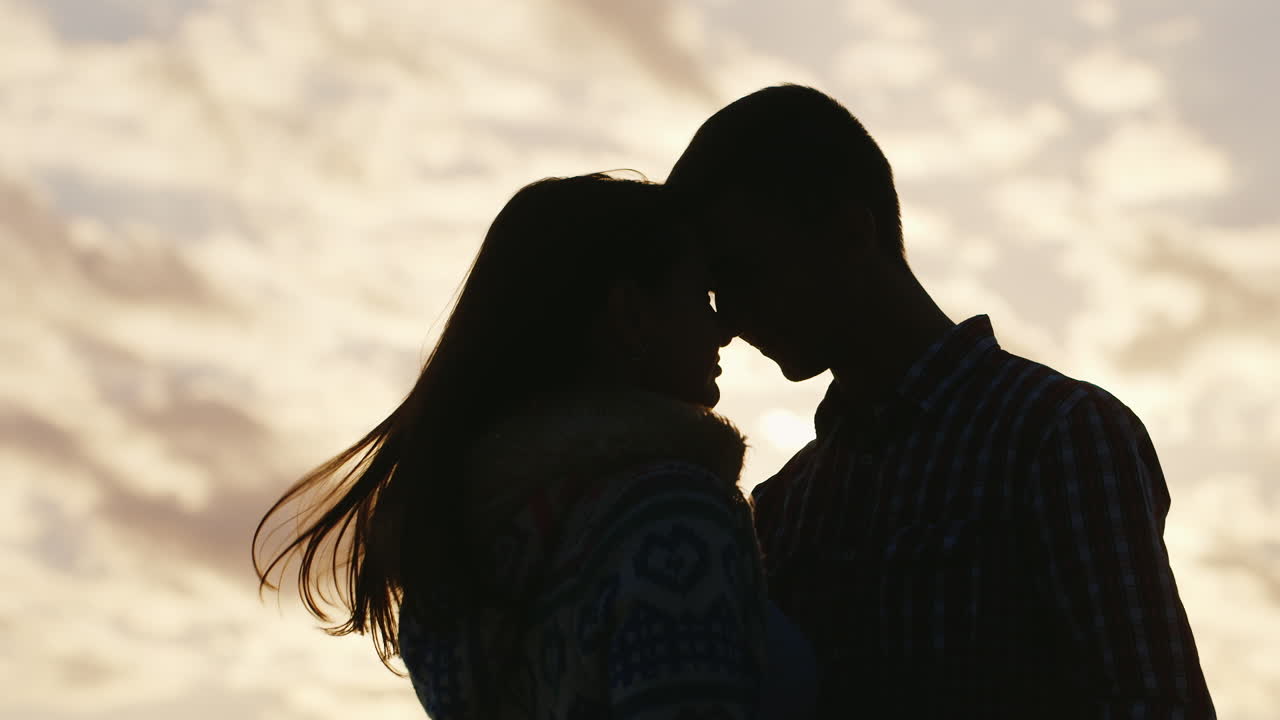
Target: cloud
972, 132
1098, 14
662, 35
1174, 32
1198, 298
1233, 538
1040, 208
893, 64
741, 68
888, 18
184, 635
114, 21
1108, 81
1158, 160
895, 48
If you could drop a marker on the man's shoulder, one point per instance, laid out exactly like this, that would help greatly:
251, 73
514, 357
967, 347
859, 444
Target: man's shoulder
1031, 387
1041, 397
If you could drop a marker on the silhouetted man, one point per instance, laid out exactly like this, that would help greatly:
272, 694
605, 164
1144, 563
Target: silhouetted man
971, 534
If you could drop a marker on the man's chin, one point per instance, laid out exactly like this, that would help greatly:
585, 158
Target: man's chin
799, 373
792, 369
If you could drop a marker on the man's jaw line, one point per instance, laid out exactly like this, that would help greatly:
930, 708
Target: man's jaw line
784, 367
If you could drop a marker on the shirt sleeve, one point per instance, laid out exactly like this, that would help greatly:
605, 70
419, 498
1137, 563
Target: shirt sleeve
1099, 500
687, 619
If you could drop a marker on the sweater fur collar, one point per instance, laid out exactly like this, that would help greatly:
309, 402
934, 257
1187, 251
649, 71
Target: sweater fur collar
597, 432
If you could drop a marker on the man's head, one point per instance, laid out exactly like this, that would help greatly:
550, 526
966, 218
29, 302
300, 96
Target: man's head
798, 205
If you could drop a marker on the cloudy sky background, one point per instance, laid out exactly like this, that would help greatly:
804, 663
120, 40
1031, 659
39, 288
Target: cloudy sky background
229, 227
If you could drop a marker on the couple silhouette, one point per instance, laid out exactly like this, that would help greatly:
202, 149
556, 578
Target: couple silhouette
550, 526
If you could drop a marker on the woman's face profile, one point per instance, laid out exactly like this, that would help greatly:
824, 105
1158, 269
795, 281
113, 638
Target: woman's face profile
682, 333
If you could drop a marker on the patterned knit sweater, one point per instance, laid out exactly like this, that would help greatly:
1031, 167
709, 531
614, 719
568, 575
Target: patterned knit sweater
626, 574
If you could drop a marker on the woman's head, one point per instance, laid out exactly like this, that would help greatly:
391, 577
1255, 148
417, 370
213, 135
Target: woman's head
587, 279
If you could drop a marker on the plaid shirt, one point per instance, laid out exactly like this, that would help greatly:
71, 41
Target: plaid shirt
988, 544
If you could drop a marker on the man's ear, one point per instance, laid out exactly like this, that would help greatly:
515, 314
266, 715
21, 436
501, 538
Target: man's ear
848, 235
860, 229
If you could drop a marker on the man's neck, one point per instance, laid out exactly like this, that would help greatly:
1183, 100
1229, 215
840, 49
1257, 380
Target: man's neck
874, 363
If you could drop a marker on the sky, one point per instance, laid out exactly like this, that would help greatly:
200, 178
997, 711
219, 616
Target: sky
231, 228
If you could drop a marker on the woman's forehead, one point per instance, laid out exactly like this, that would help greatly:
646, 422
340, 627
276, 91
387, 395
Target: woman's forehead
693, 265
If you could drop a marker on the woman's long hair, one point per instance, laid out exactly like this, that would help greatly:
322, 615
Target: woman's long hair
381, 520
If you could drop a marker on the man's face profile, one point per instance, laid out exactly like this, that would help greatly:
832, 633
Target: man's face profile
771, 286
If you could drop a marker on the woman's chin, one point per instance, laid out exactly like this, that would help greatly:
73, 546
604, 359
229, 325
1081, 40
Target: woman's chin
707, 394
711, 394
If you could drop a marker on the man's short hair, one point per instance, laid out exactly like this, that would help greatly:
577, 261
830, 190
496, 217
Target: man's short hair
796, 149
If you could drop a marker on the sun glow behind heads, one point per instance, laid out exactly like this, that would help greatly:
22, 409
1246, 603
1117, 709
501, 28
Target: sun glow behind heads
229, 226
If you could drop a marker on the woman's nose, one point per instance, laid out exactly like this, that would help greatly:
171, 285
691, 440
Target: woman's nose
725, 331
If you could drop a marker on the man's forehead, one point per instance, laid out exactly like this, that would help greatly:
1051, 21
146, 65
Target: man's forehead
730, 203
733, 223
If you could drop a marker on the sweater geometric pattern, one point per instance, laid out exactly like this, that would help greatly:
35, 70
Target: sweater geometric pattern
645, 602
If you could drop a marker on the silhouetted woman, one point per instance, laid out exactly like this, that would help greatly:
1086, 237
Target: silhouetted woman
549, 525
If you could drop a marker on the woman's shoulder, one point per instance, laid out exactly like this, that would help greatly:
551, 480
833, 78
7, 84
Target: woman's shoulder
595, 445
579, 432
673, 498
671, 482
